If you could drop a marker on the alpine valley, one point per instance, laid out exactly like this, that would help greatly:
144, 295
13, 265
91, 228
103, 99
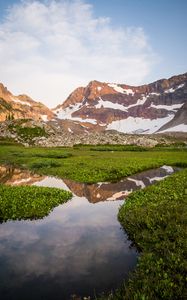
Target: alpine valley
101, 109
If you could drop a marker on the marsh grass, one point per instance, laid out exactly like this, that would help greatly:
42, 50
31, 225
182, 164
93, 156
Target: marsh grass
29, 202
88, 166
155, 219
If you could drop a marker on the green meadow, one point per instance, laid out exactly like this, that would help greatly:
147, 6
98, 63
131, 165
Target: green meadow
89, 164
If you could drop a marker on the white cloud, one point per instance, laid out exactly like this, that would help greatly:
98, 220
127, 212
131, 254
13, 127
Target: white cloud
49, 48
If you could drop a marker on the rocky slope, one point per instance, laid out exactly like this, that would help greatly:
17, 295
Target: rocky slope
129, 109
21, 107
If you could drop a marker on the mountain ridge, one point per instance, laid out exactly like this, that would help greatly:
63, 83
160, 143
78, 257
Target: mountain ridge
126, 108
21, 106
100, 106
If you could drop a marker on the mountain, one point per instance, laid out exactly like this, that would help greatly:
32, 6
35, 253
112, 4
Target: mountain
102, 107
21, 107
149, 108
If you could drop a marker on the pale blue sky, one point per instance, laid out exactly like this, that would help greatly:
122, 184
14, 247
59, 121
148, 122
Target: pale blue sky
143, 41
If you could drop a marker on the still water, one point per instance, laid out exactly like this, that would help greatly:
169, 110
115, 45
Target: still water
79, 249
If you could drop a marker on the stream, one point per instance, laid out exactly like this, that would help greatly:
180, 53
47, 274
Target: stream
80, 249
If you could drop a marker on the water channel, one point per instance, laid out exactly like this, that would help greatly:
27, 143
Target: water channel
79, 249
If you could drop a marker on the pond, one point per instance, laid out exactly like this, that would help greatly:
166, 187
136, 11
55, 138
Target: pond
79, 249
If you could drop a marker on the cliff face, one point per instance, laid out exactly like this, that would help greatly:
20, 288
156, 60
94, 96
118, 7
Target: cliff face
21, 106
130, 109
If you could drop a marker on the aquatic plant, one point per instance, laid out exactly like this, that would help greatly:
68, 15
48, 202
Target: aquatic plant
29, 202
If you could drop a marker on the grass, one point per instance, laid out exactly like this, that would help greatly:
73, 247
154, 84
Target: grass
155, 219
118, 148
85, 165
29, 202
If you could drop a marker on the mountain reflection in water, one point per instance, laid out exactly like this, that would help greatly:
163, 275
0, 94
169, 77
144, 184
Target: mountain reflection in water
92, 192
79, 249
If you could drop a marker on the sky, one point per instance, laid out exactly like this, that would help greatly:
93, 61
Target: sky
50, 47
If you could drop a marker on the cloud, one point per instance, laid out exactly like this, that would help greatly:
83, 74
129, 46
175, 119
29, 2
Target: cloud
49, 48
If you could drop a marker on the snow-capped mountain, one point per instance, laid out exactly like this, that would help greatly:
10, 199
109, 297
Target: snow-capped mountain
160, 106
128, 109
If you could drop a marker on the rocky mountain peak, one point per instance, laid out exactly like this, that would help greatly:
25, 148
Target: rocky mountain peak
125, 108
3, 90
21, 107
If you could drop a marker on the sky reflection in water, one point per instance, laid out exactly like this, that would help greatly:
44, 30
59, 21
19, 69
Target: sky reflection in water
78, 249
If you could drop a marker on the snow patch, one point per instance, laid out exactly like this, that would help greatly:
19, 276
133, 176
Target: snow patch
99, 88
140, 101
167, 107
140, 125
66, 114
20, 101
119, 89
155, 94
44, 118
109, 104
128, 91
171, 90
180, 86
177, 128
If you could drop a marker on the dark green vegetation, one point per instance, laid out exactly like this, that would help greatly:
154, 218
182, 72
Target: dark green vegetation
7, 141
118, 148
4, 105
84, 165
155, 218
29, 202
27, 133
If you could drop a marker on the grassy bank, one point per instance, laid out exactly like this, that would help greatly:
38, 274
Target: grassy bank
155, 219
85, 164
29, 202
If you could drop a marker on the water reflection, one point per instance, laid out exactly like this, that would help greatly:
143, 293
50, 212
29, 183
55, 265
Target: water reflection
92, 192
78, 249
